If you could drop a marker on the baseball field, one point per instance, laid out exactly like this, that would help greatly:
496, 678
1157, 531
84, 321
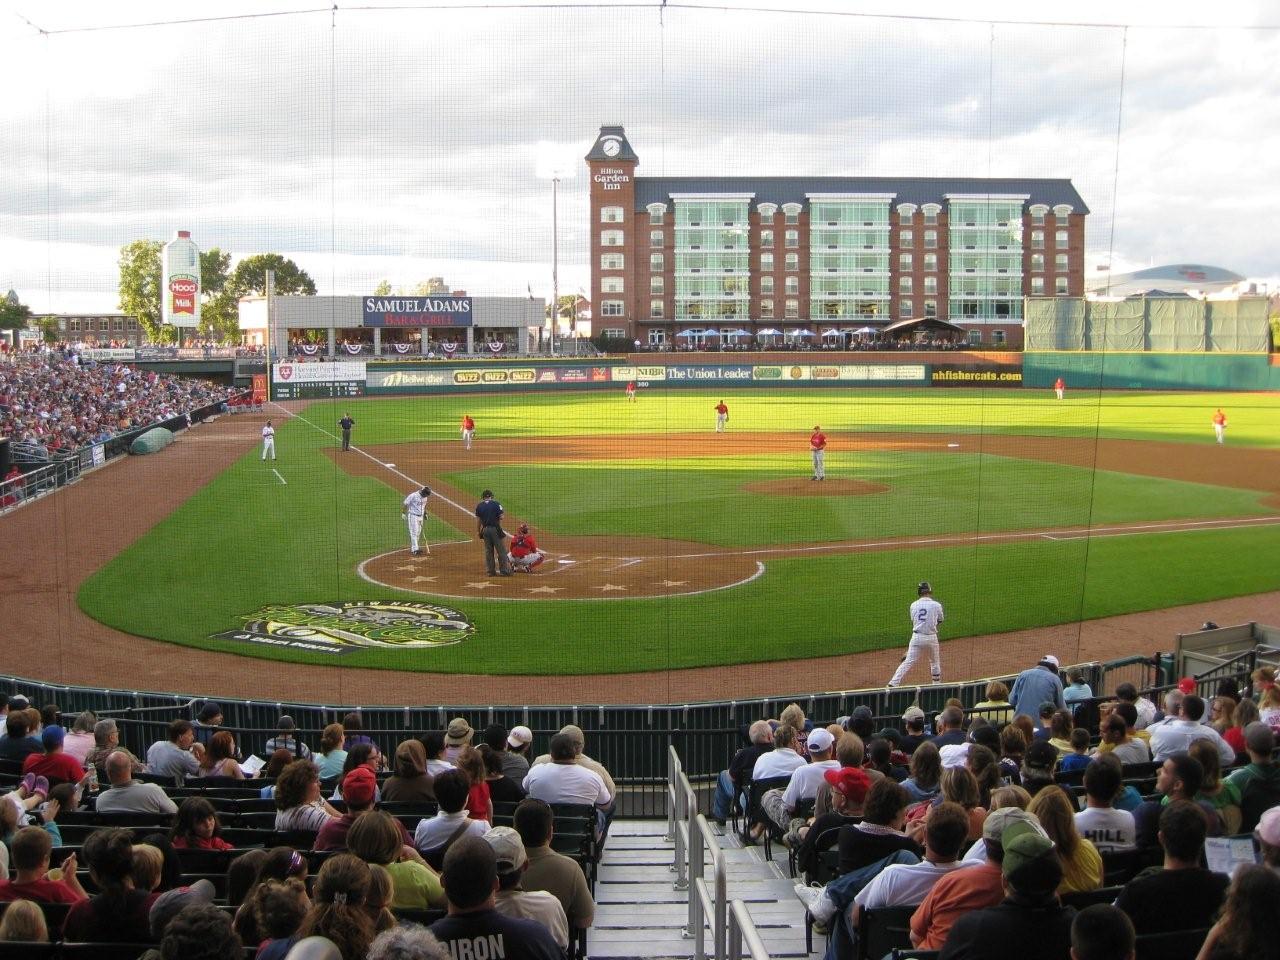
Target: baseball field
671, 546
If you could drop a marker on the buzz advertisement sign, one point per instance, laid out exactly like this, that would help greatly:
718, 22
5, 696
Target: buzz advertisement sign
429, 311
180, 281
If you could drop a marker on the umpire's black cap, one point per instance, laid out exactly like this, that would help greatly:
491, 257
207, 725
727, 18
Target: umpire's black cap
924, 588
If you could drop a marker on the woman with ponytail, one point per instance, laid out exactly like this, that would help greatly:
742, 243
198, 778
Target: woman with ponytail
338, 910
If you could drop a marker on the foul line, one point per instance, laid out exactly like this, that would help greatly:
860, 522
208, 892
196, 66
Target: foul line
1072, 533
278, 477
385, 466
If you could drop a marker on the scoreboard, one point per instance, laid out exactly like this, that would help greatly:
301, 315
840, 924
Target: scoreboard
317, 389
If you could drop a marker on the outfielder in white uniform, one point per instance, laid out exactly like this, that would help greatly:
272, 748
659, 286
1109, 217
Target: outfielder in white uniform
268, 441
926, 614
413, 510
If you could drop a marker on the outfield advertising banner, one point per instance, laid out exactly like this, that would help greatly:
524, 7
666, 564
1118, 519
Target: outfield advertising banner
988, 375
435, 311
646, 374
846, 373
318, 372
437, 377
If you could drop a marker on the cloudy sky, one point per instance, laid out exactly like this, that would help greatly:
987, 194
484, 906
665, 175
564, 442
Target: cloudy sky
408, 143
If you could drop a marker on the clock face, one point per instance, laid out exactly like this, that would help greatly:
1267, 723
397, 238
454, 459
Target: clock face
611, 148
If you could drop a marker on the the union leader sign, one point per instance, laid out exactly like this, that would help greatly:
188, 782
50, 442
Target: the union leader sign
432, 311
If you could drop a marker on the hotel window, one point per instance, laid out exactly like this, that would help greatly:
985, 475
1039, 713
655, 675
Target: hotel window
906, 238
930, 262
1037, 239
1060, 239
931, 285
975, 337
118, 324
133, 324
611, 238
610, 214
793, 286
611, 308
657, 284
1037, 263
75, 325
766, 285
792, 309
766, 238
610, 284
610, 261
904, 261
657, 338
1060, 262
656, 216
904, 308
1060, 286
997, 336
766, 309
655, 238
766, 261
904, 284
931, 239
792, 262
1037, 216
1037, 286
792, 238
931, 308
793, 214
904, 219
655, 309
615, 333
656, 262
930, 217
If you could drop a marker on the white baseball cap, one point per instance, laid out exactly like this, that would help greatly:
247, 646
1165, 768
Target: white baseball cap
820, 739
1051, 660
519, 736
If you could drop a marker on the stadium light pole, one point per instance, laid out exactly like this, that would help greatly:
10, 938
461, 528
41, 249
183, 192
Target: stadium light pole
554, 163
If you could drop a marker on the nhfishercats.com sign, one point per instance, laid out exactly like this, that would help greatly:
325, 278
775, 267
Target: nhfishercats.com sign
430, 311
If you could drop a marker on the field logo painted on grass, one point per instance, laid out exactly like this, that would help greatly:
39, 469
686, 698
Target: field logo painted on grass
342, 627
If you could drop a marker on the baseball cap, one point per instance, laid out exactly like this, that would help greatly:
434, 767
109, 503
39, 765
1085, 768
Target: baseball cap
892, 734
171, 903
359, 787
913, 713
998, 821
1023, 845
519, 736
286, 724
459, 732
1051, 661
18, 702
820, 739
1269, 827
862, 712
53, 736
852, 782
1187, 685
508, 848
574, 733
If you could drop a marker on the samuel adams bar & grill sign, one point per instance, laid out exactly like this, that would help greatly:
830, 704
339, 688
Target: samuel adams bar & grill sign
433, 311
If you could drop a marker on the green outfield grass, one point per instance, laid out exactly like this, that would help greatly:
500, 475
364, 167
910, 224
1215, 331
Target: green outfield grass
247, 540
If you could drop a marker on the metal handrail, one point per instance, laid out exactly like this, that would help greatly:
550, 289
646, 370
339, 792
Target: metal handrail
742, 932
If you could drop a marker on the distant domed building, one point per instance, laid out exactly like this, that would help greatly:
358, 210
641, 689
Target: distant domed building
1181, 278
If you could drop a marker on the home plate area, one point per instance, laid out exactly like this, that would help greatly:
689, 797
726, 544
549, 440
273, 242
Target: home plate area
576, 568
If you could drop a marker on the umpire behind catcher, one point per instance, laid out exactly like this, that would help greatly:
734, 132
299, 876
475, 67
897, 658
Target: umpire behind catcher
489, 515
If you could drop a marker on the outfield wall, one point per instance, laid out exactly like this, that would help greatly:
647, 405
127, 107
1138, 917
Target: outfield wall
1150, 371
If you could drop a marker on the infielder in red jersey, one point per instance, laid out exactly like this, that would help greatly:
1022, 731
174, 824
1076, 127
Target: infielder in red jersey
468, 430
818, 444
1220, 426
1060, 387
525, 555
722, 416
631, 389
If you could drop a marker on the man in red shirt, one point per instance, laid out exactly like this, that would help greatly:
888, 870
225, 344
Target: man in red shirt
722, 416
1059, 387
525, 554
818, 444
631, 389
468, 430
31, 848
1220, 426
54, 764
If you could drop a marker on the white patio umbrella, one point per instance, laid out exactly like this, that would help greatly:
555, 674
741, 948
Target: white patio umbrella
865, 330
831, 333
689, 333
768, 332
800, 333
739, 333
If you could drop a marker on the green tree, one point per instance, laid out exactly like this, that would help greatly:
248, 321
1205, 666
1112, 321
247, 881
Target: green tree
14, 314
140, 286
383, 288
250, 276
219, 311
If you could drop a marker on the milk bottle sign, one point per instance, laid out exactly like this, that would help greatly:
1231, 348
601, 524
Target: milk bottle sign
180, 281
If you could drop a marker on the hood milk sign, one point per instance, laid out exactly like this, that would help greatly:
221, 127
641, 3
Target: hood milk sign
433, 311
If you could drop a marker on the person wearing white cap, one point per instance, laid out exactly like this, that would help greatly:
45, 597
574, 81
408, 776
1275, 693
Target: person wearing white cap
512, 899
515, 759
1037, 685
781, 805
926, 615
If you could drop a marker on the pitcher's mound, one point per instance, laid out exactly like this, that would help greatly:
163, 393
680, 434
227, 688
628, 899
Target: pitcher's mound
804, 487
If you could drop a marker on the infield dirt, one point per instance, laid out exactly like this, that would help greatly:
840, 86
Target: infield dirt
53, 545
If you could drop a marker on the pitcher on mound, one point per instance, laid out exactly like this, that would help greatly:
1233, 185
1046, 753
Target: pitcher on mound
926, 614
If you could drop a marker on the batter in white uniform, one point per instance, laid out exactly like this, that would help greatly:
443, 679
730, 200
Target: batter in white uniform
268, 441
413, 510
926, 614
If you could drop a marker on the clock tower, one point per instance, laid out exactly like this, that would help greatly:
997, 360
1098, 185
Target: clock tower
612, 164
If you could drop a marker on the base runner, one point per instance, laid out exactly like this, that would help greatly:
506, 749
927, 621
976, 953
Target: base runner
524, 554
413, 510
818, 444
926, 614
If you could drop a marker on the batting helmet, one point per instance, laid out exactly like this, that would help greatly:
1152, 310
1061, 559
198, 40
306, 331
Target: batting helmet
924, 588
524, 528
425, 491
